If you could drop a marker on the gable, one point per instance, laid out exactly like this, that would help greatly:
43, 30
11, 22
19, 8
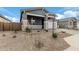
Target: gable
35, 11
40, 11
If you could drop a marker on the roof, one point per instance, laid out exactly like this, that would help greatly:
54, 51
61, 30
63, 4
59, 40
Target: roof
36, 8
52, 14
41, 11
5, 18
70, 18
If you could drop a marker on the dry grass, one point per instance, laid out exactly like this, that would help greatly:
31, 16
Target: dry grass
26, 41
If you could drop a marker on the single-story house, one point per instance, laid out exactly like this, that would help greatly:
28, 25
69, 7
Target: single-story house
77, 24
37, 18
70, 23
4, 19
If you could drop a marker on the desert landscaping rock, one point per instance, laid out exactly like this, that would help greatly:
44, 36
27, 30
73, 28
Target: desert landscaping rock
26, 41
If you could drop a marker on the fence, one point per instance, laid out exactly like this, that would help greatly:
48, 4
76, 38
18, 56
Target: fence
10, 26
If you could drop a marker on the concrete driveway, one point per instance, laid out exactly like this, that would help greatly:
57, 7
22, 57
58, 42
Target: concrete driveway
73, 40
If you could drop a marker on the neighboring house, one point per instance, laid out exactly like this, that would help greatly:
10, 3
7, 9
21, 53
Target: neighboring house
70, 23
78, 24
4, 19
37, 18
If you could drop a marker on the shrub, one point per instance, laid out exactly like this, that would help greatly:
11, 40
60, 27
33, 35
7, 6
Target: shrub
3, 35
28, 30
46, 30
38, 31
38, 44
54, 35
14, 36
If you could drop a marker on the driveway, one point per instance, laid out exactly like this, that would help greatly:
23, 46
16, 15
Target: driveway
74, 42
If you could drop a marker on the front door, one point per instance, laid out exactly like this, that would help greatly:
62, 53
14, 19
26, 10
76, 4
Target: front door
42, 23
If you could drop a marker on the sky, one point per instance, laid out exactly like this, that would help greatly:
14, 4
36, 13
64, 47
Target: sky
13, 13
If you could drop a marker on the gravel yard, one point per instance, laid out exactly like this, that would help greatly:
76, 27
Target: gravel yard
22, 41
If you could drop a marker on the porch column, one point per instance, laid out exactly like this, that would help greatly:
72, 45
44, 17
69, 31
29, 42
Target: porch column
24, 21
45, 22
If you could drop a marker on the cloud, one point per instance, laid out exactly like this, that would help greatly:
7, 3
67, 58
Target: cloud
11, 15
71, 8
70, 13
59, 16
13, 19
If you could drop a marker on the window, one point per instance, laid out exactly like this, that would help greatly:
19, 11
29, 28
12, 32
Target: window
70, 23
32, 21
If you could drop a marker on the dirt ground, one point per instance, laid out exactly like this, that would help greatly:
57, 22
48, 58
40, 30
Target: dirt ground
22, 41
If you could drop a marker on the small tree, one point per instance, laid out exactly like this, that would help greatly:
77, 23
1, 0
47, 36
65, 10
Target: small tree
54, 35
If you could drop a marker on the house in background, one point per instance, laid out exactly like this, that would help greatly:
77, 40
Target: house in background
78, 24
4, 19
37, 18
69, 23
